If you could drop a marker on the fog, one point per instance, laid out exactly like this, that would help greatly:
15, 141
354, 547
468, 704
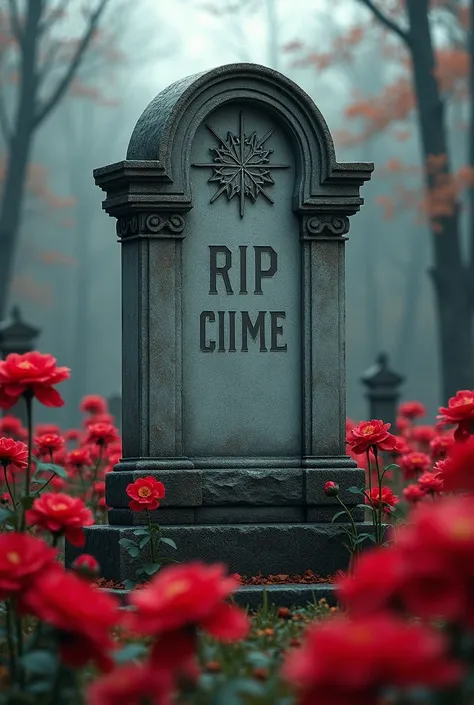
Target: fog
67, 267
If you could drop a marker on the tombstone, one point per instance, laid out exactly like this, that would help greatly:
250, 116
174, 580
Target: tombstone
383, 390
232, 213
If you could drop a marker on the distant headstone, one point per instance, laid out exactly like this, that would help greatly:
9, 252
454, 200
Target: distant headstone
383, 390
233, 212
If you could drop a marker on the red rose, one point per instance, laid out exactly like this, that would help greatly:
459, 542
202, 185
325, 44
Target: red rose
412, 464
413, 494
99, 488
457, 470
32, 372
402, 424
13, 454
99, 418
11, 426
331, 489
346, 660
78, 457
101, 434
22, 559
460, 411
145, 493
373, 584
48, 443
86, 566
412, 409
93, 404
73, 434
61, 514
83, 614
431, 482
437, 549
440, 445
42, 428
370, 434
423, 434
402, 446
387, 498
189, 595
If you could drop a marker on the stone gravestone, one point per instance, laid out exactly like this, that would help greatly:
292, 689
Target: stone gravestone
232, 213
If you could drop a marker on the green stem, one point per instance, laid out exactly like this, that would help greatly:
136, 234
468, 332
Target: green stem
45, 484
374, 517
12, 496
380, 507
94, 479
11, 646
19, 646
29, 422
152, 542
355, 533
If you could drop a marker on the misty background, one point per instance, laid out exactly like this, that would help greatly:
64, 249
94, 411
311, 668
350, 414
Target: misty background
67, 267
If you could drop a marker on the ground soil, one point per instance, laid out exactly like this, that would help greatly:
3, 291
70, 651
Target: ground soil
307, 578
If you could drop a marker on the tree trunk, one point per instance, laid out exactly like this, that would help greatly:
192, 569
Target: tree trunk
450, 275
19, 153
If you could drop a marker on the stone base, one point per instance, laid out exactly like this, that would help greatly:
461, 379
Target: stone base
289, 595
248, 549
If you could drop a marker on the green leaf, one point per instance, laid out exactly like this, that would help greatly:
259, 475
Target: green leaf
43, 662
169, 542
131, 652
365, 506
49, 467
145, 540
393, 466
365, 537
141, 532
127, 543
134, 551
151, 568
5, 514
130, 584
355, 490
339, 514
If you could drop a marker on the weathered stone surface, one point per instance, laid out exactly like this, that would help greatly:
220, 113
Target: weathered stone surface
325, 514
317, 478
183, 487
262, 486
245, 549
249, 515
163, 515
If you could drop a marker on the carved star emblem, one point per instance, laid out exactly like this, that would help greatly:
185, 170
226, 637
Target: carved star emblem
241, 165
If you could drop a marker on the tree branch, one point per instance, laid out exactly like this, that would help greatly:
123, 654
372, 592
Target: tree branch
15, 22
387, 21
4, 125
43, 110
54, 15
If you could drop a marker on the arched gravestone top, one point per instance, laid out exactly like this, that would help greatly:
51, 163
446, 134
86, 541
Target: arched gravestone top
162, 138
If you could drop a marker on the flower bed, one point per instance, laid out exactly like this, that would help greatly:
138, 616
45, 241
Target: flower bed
404, 634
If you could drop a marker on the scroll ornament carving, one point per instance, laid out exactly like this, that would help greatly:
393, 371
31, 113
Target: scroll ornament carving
326, 223
150, 225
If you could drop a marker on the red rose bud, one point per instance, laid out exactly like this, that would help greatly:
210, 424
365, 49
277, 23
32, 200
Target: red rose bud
86, 566
331, 489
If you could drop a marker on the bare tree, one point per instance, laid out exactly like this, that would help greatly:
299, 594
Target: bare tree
39, 91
